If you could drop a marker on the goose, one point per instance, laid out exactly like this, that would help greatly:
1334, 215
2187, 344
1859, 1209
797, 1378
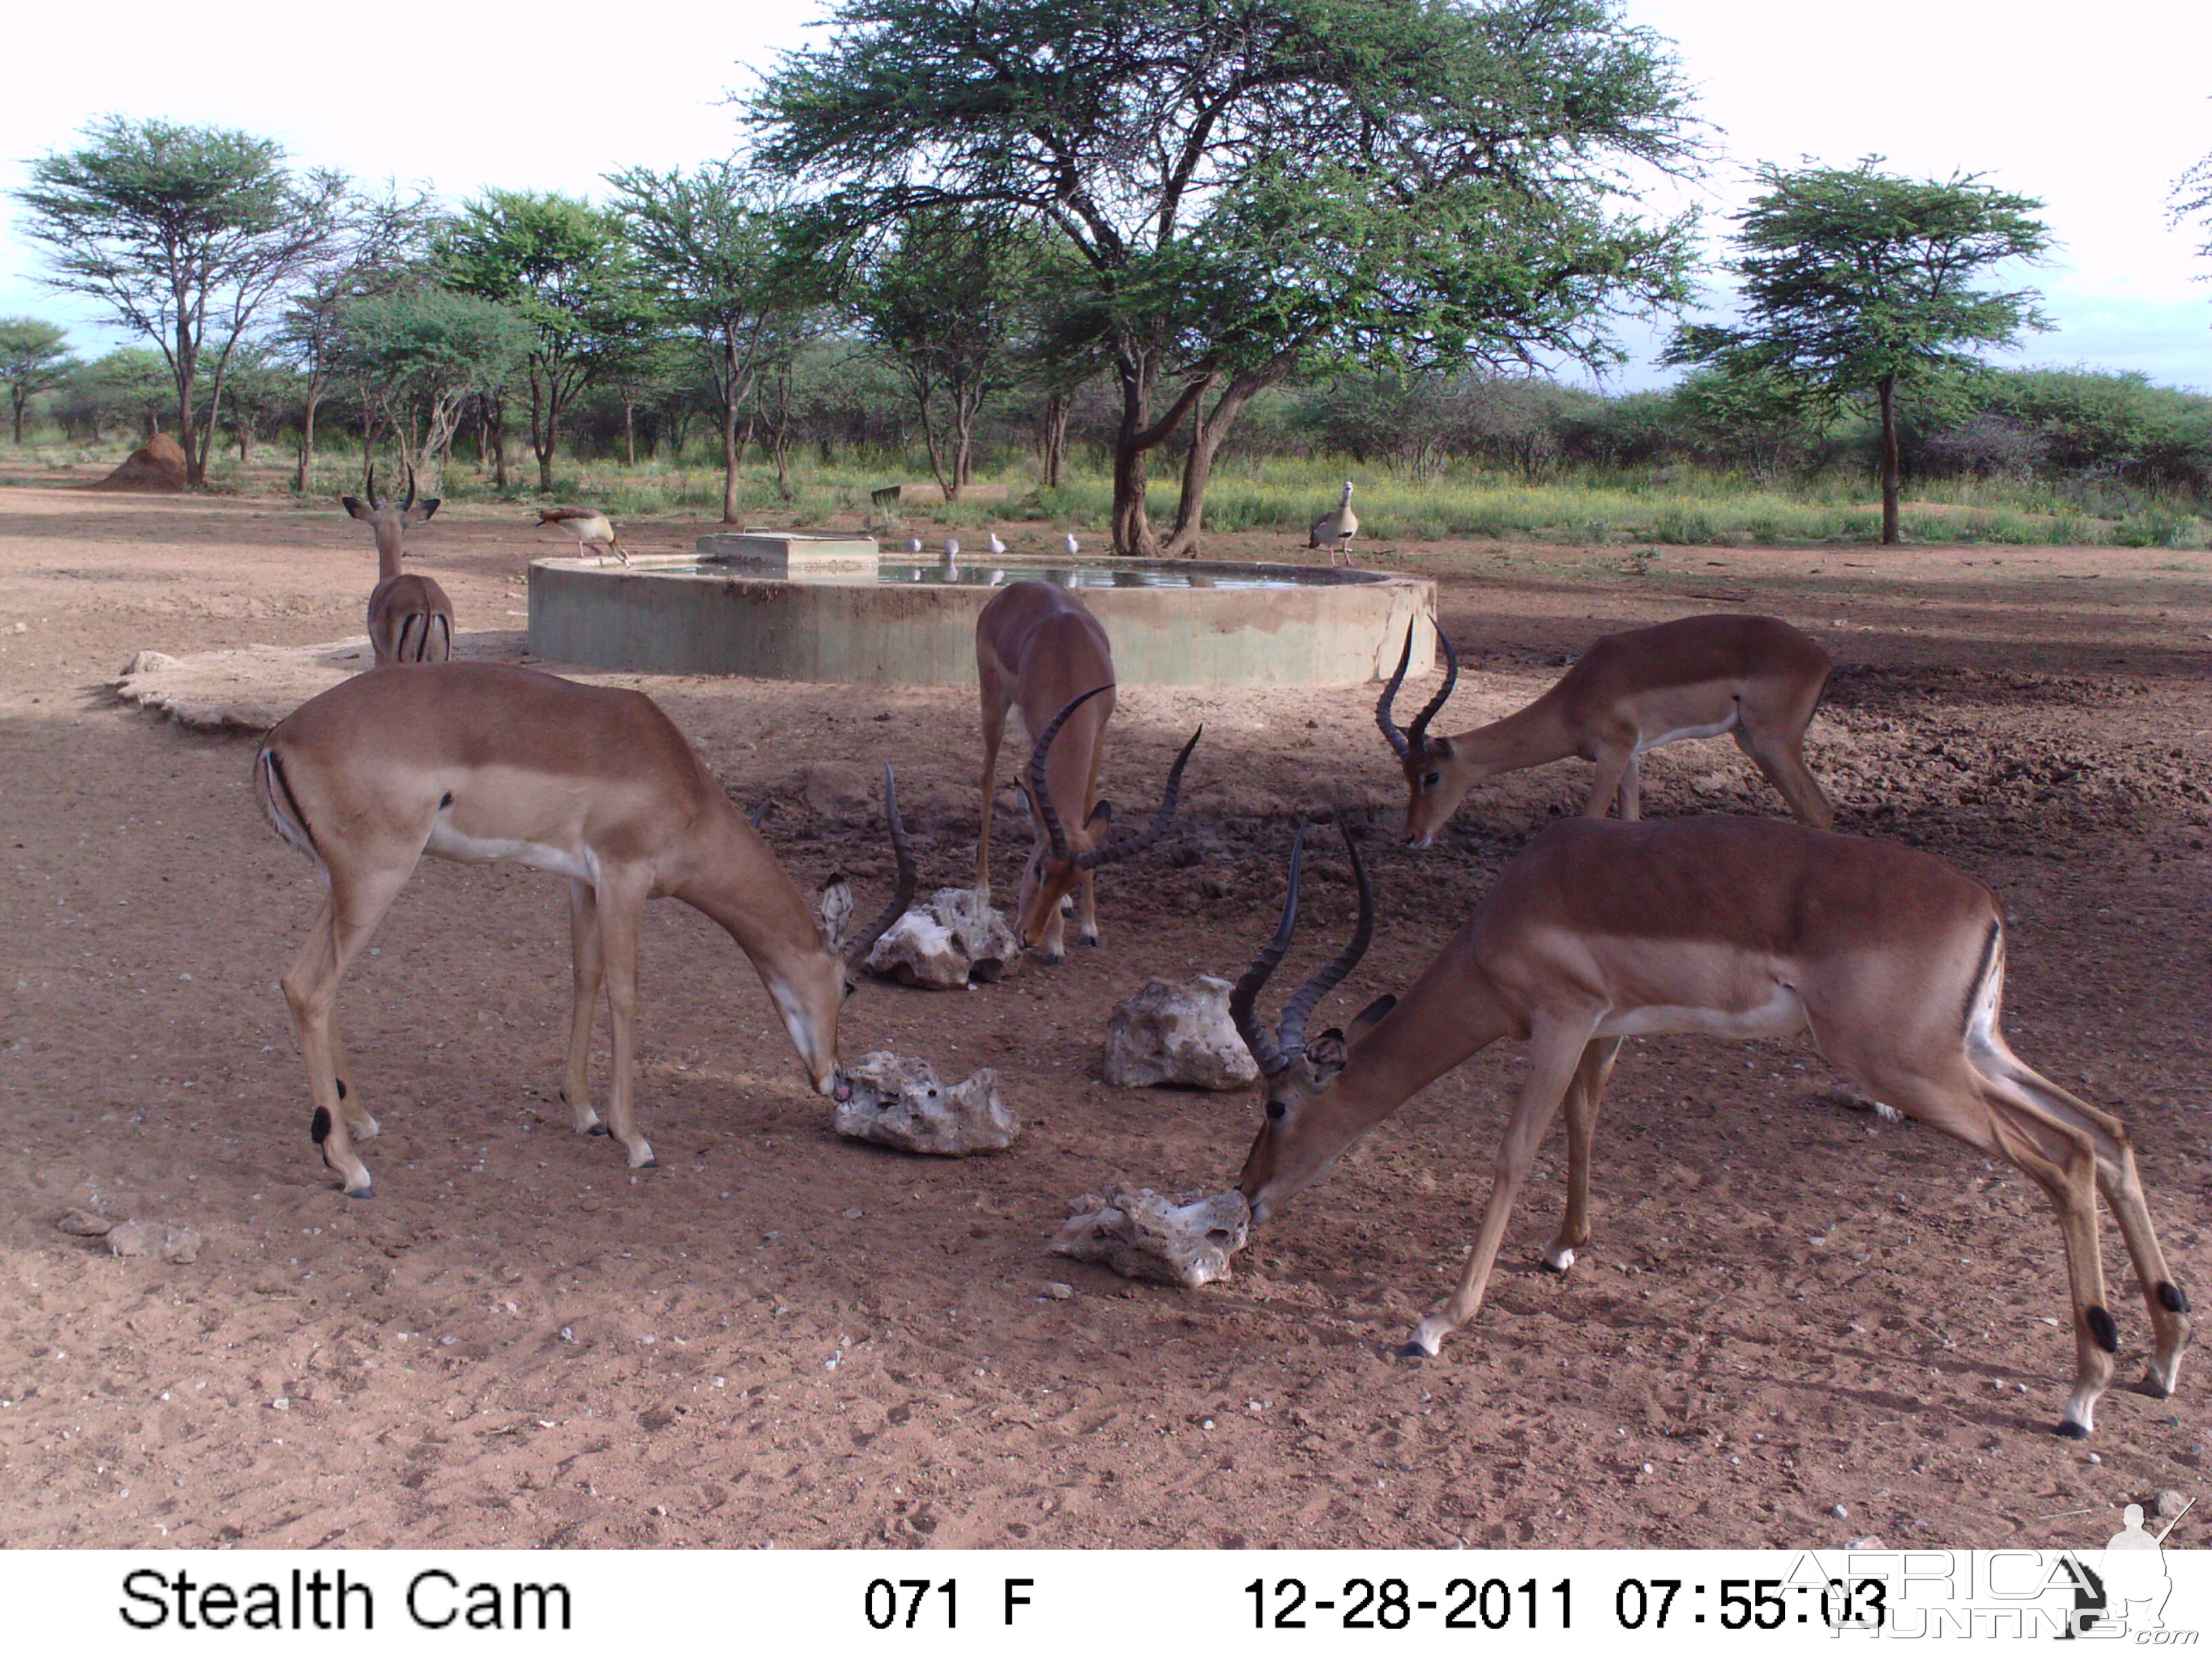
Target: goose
995, 544
1335, 530
589, 527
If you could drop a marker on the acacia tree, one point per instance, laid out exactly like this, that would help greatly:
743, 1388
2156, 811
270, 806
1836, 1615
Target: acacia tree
712, 244
565, 266
943, 304
1855, 283
34, 357
1253, 186
376, 243
185, 234
420, 355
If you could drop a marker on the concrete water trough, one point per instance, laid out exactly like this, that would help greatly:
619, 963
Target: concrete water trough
773, 606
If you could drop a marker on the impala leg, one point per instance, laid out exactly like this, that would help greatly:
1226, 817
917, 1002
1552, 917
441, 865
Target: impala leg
2058, 1156
2117, 1179
1554, 1054
1632, 789
587, 968
341, 929
1612, 766
994, 728
620, 912
1086, 927
1583, 1094
1781, 758
359, 1124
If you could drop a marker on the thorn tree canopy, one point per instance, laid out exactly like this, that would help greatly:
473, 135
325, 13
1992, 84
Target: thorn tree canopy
712, 243
179, 230
1855, 281
34, 357
566, 266
1255, 187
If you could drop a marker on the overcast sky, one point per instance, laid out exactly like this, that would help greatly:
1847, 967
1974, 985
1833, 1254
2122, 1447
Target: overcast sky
2095, 111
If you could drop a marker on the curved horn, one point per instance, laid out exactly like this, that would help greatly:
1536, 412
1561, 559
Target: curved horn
1400, 745
368, 483
1274, 1062
1293, 1027
407, 504
1040, 794
1130, 846
856, 953
1418, 733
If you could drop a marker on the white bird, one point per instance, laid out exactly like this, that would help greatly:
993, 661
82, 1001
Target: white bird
995, 544
914, 546
1070, 545
589, 527
1335, 530
951, 548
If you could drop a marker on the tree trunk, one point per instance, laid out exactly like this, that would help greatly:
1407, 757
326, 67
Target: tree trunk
1892, 468
630, 430
730, 450
19, 400
1205, 442
1055, 437
308, 435
496, 435
1134, 442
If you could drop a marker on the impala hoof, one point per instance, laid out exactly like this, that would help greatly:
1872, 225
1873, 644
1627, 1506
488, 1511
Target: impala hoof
1051, 961
2068, 1429
1413, 1350
1559, 1261
597, 1129
364, 1192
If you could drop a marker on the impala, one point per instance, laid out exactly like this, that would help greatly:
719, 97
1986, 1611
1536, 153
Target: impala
409, 618
478, 762
1038, 650
1754, 678
1893, 960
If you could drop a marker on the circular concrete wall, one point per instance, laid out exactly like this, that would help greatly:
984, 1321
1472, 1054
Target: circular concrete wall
677, 616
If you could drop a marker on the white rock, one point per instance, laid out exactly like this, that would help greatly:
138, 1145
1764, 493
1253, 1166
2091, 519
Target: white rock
145, 662
1177, 1034
1141, 1235
85, 1225
900, 1103
943, 945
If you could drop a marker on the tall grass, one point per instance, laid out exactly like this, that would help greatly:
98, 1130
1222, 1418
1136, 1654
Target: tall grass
1677, 506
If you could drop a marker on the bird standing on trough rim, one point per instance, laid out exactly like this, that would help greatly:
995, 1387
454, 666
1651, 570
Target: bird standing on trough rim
1070, 546
589, 527
994, 544
1334, 531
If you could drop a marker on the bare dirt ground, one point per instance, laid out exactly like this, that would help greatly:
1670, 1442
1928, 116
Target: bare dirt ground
1796, 1324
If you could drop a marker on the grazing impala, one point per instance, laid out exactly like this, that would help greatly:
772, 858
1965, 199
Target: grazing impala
480, 761
1732, 927
1754, 678
409, 618
1037, 649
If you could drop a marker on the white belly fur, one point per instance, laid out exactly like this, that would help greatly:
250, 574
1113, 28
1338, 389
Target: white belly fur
447, 843
1642, 744
1781, 1015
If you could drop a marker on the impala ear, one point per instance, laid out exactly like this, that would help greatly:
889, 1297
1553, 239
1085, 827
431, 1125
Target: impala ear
1372, 1014
836, 902
1325, 1055
423, 510
353, 507
1102, 813
1441, 748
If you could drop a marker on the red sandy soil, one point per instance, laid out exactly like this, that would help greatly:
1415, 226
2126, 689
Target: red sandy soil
1796, 1324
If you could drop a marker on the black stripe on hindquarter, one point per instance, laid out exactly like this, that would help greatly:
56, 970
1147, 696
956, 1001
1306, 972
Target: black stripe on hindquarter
291, 800
1981, 974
